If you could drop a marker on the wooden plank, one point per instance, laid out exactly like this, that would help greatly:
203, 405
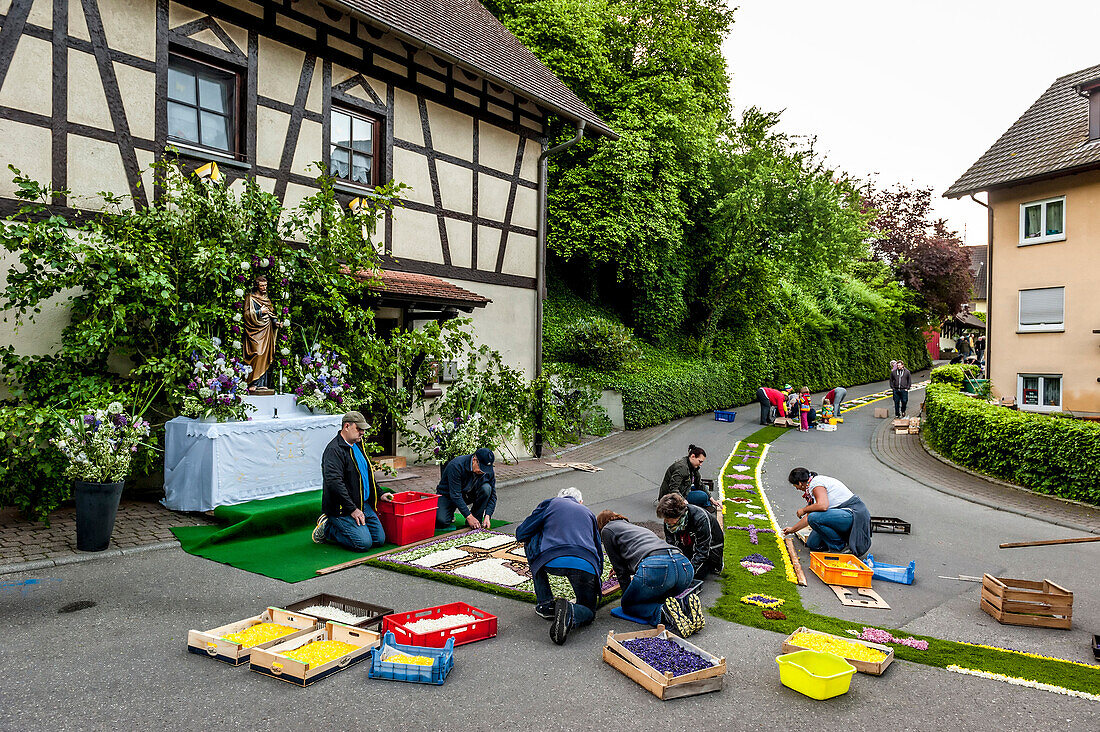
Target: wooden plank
1020, 583
1048, 542
1037, 621
632, 672
695, 687
795, 563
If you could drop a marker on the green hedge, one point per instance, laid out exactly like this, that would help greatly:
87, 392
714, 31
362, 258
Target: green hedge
819, 342
954, 375
1052, 455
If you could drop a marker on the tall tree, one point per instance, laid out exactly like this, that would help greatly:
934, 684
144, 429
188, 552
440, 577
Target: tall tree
923, 253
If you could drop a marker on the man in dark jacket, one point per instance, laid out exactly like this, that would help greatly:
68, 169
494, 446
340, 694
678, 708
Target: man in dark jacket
694, 532
560, 538
900, 381
349, 496
468, 485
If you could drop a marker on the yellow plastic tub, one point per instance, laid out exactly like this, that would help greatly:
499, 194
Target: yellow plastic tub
813, 673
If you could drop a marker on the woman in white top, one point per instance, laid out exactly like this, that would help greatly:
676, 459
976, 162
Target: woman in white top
838, 518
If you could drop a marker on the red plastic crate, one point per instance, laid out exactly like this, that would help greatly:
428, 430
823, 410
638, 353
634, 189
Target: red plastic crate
484, 627
409, 517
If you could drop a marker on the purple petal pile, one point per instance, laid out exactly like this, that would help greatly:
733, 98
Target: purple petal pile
666, 656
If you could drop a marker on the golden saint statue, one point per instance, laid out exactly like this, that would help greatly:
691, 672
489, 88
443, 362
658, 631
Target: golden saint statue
259, 337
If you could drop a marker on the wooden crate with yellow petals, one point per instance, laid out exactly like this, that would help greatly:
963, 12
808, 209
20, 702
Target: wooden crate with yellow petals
847, 648
236, 649
309, 658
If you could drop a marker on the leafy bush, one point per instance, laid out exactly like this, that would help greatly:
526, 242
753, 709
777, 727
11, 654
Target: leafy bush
601, 343
1059, 457
954, 374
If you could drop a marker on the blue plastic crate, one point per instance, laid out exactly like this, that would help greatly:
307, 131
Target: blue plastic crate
892, 572
435, 674
720, 416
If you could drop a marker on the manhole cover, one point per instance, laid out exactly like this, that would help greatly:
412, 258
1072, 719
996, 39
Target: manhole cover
72, 607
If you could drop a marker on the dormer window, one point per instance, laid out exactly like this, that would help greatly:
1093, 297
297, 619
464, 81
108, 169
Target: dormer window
1091, 89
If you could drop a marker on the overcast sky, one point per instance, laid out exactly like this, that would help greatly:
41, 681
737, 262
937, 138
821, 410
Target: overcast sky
908, 92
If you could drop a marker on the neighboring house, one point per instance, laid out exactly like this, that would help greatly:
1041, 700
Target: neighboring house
436, 94
1043, 183
979, 272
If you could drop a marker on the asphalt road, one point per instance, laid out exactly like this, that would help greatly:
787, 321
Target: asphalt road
122, 664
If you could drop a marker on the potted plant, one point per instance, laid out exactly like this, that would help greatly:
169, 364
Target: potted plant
99, 447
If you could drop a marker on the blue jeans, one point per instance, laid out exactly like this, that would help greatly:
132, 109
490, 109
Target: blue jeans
660, 575
830, 529
585, 587
476, 500
699, 498
901, 401
344, 531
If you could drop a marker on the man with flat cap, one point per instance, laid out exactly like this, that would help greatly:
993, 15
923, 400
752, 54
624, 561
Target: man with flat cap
349, 495
467, 485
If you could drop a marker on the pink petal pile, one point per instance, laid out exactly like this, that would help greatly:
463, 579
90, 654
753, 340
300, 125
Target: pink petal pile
874, 635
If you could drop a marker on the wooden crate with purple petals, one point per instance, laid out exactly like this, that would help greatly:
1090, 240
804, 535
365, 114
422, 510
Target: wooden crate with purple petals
663, 684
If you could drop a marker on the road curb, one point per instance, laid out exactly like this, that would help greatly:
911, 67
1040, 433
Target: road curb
81, 558
970, 497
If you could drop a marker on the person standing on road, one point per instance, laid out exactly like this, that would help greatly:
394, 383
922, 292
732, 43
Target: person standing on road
683, 477
651, 574
467, 485
900, 382
839, 520
349, 493
560, 538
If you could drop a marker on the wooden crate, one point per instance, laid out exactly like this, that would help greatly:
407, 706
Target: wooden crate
211, 643
271, 662
663, 685
881, 413
901, 423
875, 669
1026, 602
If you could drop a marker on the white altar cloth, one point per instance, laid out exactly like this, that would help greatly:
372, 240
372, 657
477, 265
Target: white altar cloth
210, 464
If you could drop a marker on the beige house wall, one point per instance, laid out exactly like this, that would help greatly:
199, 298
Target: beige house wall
1073, 264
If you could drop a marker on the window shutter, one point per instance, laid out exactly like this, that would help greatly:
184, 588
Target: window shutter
1042, 307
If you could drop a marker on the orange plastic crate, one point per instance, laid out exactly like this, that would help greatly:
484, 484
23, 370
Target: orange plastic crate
840, 569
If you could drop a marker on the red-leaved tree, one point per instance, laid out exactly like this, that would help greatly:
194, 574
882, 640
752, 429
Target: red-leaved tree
923, 253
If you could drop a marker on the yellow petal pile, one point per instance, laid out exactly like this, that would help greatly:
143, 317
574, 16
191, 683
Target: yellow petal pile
413, 660
842, 648
319, 653
259, 633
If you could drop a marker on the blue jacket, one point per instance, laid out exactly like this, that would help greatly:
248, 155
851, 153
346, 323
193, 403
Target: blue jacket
561, 527
459, 481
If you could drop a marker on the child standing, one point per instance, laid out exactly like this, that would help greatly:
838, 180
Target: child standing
827, 410
804, 408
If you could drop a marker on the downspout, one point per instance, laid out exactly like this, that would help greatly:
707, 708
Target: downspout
540, 269
988, 282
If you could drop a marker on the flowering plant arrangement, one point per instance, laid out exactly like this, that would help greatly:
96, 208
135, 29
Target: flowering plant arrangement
459, 435
218, 386
323, 383
100, 445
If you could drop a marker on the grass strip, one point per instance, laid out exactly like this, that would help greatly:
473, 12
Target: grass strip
738, 582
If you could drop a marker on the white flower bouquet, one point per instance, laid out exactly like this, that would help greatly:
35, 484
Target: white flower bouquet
101, 444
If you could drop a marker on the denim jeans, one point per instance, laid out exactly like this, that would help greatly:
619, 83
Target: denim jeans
585, 586
699, 498
660, 575
344, 531
901, 401
830, 529
475, 500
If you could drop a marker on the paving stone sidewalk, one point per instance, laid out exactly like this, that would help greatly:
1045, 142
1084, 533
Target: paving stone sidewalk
907, 455
144, 525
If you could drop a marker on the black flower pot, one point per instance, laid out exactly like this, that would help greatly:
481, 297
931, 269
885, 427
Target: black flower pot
96, 507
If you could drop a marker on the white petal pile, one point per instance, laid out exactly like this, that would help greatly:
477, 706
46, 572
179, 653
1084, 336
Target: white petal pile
1023, 682
327, 612
492, 542
440, 557
491, 570
431, 625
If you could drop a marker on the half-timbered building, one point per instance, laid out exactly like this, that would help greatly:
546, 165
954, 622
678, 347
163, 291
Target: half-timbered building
436, 94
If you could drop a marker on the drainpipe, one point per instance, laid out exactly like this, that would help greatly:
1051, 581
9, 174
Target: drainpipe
540, 269
988, 282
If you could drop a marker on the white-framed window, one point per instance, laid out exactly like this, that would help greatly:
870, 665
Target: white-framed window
1043, 221
1043, 309
1039, 392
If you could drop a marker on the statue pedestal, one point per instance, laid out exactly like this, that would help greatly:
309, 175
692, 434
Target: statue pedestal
276, 405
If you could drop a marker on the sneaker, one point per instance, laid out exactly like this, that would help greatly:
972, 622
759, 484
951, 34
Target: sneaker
545, 614
672, 612
694, 610
563, 618
319, 529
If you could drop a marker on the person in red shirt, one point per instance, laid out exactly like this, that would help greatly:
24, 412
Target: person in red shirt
769, 398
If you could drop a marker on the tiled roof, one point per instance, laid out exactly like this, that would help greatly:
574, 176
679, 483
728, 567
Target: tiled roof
1050, 137
978, 269
464, 32
409, 286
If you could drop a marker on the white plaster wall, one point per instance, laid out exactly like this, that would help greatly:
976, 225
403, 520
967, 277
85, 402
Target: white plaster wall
492, 197
95, 166
507, 324
416, 236
27, 85
130, 26
519, 257
139, 95
497, 147
452, 131
41, 336
28, 149
460, 239
456, 187
406, 118
280, 67
411, 169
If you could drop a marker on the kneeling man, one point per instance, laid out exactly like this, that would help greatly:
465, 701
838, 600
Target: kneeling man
349, 496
